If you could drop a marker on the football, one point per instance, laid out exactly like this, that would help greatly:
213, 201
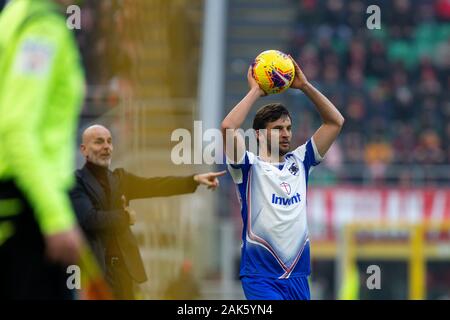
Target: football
274, 71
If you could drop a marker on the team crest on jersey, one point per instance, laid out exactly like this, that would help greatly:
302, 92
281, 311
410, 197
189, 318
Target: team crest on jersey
293, 169
286, 187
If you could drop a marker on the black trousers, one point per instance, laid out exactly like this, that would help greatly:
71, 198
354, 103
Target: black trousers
25, 271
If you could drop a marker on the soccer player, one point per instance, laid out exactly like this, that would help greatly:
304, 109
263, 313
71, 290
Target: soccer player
275, 262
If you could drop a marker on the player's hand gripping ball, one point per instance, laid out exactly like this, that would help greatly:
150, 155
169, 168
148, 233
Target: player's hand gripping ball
274, 71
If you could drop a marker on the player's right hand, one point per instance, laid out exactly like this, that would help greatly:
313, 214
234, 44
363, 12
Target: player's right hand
252, 82
64, 247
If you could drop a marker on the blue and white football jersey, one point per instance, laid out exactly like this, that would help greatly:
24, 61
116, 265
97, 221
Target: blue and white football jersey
275, 240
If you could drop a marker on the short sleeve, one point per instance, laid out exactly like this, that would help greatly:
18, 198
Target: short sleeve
240, 169
308, 154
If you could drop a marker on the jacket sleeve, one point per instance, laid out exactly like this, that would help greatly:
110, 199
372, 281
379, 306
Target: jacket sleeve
136, 187
26, 89
93, 220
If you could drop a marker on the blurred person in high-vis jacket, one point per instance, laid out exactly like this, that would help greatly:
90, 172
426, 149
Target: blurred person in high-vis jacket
41, 92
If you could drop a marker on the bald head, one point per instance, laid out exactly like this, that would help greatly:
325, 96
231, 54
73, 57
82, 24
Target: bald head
97, 146
94, 131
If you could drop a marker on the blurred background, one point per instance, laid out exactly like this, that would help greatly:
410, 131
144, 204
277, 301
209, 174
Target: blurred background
381, 197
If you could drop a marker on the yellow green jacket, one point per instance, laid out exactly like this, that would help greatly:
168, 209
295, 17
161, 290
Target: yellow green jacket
41, 92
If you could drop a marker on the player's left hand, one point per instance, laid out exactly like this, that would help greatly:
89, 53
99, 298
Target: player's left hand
300, 81
209, 179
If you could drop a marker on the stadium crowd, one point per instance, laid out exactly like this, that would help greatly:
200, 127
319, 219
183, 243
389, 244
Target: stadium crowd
392, 85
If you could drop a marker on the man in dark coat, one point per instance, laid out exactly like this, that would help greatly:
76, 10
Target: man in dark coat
101, 198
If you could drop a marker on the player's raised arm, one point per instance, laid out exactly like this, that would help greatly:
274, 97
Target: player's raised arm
332, 119
236, 117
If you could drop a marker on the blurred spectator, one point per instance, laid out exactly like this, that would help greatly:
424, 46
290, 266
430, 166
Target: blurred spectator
401, 19
357, 55
428, 84
425, 11
355, 78
403, 143
310, 62
353, 147
355, 114
431, 115
442, 56
377, 63
429, 150
380, 108
354, 18
447, 141
335, 13
307, 11
377, 155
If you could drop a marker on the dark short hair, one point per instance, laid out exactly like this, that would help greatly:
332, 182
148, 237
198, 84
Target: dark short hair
269, 113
